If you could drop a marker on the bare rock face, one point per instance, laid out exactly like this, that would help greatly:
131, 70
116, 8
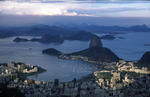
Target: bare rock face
95, 42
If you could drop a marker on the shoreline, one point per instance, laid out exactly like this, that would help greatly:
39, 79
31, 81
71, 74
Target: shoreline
21, 70
40, 70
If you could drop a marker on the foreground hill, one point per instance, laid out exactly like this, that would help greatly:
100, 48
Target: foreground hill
145, 60
96, 54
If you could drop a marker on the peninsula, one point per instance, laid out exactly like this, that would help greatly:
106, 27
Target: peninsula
19, 69
96, 53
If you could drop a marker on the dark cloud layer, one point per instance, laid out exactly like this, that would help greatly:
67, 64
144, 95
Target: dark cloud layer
29, 12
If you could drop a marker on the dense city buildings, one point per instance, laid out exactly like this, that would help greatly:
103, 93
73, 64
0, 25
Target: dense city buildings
120, 81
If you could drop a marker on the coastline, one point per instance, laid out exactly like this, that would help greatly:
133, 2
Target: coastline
40, 70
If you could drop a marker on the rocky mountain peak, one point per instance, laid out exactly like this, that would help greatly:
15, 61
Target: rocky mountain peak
95, 42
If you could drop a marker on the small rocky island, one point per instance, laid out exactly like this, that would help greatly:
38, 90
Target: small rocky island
52, 51
96, 53
18, 39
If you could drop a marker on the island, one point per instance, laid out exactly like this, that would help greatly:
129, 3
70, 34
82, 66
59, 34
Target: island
18, 39
57, 38
47, 38
52, 51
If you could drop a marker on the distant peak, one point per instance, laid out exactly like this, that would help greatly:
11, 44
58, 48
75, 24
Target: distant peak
95, 42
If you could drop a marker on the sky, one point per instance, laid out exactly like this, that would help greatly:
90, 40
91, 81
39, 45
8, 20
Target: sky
38, 11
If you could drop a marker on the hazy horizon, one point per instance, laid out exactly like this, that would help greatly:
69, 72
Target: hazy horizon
104, 12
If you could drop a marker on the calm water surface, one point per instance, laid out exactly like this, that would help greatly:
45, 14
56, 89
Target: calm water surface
130, 48
31, 52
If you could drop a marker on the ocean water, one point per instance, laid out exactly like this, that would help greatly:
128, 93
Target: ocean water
130, 48
31, 53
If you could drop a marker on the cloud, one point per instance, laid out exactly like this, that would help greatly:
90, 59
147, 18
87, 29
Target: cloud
27, 8
64, 8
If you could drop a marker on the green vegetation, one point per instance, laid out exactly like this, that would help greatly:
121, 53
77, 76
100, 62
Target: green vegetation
131, 74
104, 75
134, 74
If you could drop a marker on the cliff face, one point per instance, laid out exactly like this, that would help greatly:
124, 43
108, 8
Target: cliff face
95, 42
145, 59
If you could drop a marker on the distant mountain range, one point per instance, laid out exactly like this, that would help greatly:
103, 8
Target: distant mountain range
101, 29
67, 30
